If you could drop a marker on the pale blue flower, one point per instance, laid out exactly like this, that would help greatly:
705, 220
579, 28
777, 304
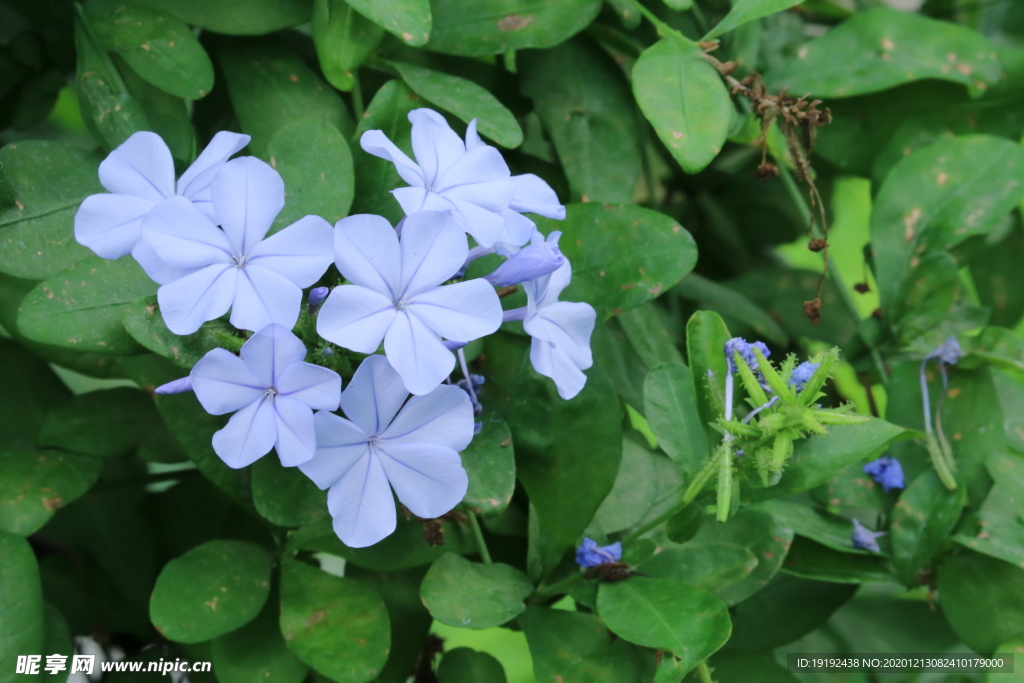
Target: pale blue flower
864, 538
260, 280
139, 174
541, 258
887, 471
274, 394
395, 295
802, 374
178, 386
746, 351
592, 555
948, 352
387, 442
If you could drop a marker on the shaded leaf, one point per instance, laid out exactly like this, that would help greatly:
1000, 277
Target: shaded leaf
33, 484
344, 38
670, 403
468, 595
748, 10
490, 463
922, 519
284, 495
983, 599
236, 17
409, 20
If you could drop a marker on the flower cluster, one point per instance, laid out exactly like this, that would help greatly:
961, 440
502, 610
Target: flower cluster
204, 240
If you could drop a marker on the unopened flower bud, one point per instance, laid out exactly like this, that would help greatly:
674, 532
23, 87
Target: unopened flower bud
317, 295
178, 386
541, 258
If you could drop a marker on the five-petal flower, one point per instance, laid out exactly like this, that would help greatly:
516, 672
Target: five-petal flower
395, 295
388, 443
274, 394
590, 554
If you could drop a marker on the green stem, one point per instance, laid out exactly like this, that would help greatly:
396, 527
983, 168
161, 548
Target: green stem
703, 672
558, 588
724, 481
664, 30
943, 467
479, 535
357, 97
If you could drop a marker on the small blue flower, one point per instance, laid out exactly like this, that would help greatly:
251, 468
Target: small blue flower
541, 258
864, 538
317, 295
887, 471
802, 374
746, 351
948, 352
178, 386
591, 555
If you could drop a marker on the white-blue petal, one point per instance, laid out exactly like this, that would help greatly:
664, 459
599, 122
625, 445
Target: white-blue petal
376, 143
111, 224
367, 253
263, 297
339, 445
197, 178
141, 166
248, 435
247, 196
301, 252
435, 145
533, 195
444, 416
417, 354
270, 351
413, 199
156, 268
374, 395
296, 439
548, 360
316, 386
204, 295
480, 177
461, 312
433, 250
355, 317
183, 237
362, 505
518, 228
568, 325
223, 382
428, 478
485, 226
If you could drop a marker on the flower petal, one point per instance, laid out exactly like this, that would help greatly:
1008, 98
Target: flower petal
533, 195
434, 143
444, 416
355, 317
183, 237
481, 177
296, 439
433, 249
461, 312
301, 252
485, 226
248, 435
544, 291
428, 478
568, 325
111, 224
518, 229
417, 354
223, 383
374, 395
270, 351
362, 505
197, 178
156, 268
263, 297
367, 253
413, 199
550, 361
339, 445
472, 137
317, 387
141, 166
247, 196
377, 144
204, 295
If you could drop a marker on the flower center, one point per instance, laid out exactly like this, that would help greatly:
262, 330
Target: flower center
271, 392
239, 261
400, 305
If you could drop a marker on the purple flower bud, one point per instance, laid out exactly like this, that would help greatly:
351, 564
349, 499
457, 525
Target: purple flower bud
887, 471
328, 351
477, 428
317, 295
864, 538
949, 352
541, 258
802, 374
746, 351
178, 386
591, 555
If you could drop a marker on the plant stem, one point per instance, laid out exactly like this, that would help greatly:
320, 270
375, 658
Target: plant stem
703, 672
357, 97
479, 535
558, 588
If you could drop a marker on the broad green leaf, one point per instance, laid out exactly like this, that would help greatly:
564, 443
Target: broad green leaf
999, 531
685, 524
811, 560
111, 422
735, 667
161, 49
36, 214
921, 521
1011, 401
882, 48
490, 463
315, 163
685, 100
338, 626
706, 335
710, 294
235, 17
271, 86
375, 178
670, 403
645, 328
1008, 649
1007, 469
828, 529
35, 483
144, 323
81, 307
643, 489
344, 38
818, 458
211, 590
256, 652
31, 390
284, 495
463, 665
37, 98
169, 116
469, 595
998, 279
584, 103
1001, 349
983, 599
972, 421
577, 648
622, 255
489, 27
407, 19
56, 637
664, 614
21, 594
711, 566
465, 99
747, 10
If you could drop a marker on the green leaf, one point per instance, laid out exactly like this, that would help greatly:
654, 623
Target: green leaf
144, 323
169, 116
211, 590
235, 17
284, 495
622, 255
338, 626
21, 594
490, 27
33, 484
271, 86
811, 560
818, 458
670, 403
711, 566
465, 99
664, 614
161, 49
469, 595
734, 667
81, 307
409, 20
921, 521
585, 104
643, 490
882, 48
999, 531
463, 665
706, 335
1001, 349
685, 524
710, 294
748, 10
37, 215
983, 599
315, 163
577, 648
31, 390
344, 38
256, 652
685, 100
828, 529
490, 463
645, 328
56, 637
